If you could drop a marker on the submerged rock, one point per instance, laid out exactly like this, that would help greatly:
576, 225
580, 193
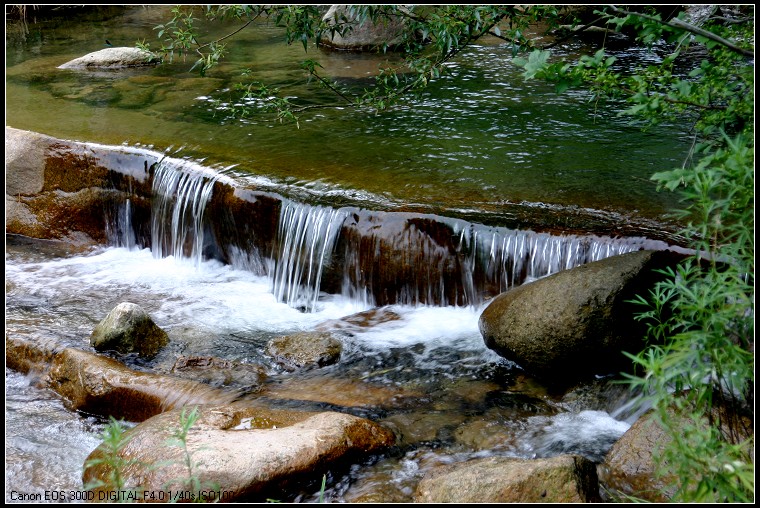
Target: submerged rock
218, 372
247, 454
113, 58
305, 350
575, 323
30, 356
562, 479
126, 329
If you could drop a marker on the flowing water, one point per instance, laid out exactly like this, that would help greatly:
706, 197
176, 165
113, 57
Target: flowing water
481, 139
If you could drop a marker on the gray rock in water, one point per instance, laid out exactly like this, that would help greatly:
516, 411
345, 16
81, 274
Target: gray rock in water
113, 58
305, 350
126, 329
575, 323
562, 479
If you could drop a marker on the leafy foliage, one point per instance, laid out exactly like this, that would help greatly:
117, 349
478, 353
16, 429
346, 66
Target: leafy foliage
114, 441
191, 482
115, 438
431, 36
699, 369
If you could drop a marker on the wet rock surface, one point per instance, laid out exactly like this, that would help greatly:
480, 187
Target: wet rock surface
219, 372
629, 467
100, 385
305, 350
247, 453
576, 323
562, 479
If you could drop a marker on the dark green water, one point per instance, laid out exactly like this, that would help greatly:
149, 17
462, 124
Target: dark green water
481, 137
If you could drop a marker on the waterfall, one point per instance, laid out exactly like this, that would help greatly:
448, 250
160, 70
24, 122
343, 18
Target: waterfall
506, 258
372, 258
432, 260
181, 191
119, 230
307, 236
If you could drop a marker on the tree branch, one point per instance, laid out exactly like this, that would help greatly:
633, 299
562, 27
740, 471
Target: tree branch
572, 33
683, 25
198, 49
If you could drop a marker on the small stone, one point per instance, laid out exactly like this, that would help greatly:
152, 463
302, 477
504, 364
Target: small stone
126, 329
305, 350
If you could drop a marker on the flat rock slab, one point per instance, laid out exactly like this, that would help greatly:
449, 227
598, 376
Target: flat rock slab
104, 386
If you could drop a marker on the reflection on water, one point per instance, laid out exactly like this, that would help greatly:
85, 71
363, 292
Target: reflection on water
480, 137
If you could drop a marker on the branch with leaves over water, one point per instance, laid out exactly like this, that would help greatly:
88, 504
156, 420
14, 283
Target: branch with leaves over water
431, 37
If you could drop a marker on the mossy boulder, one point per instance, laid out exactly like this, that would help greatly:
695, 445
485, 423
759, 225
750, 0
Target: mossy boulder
305, 350
126, 329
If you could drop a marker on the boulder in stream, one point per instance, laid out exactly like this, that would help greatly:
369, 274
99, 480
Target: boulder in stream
574, 324
241, 453
305, 350
126, 329
113, 58
365, 36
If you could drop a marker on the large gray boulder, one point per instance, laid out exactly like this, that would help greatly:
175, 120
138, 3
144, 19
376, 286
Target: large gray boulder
561, 479
364, 36
112, 58
575, 323
126, 329
248, 453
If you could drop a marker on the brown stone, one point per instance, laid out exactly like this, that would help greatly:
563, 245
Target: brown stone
103, 386
219, 372
27, 356
257, 457
305, 350
562, 479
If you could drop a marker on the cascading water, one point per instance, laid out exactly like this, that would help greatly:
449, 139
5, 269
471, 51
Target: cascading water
370, 258
434, 274
307, 238
506, 258
181, 191
119, 231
